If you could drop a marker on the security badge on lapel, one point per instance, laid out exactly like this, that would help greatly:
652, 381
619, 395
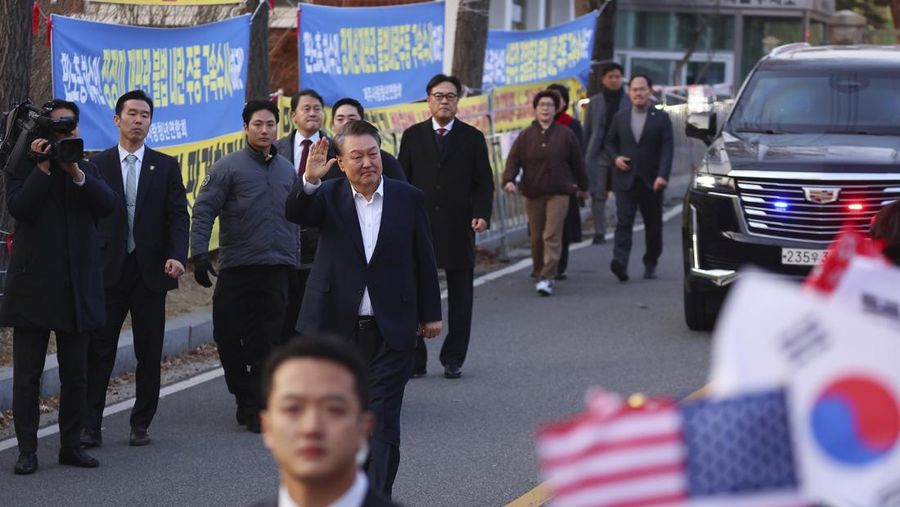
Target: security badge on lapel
205, 180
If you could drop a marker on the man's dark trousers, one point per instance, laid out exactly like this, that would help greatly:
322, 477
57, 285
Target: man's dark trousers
148, 323
248, 314
296, 285
460, 294
389, 371
29, 353
639, 197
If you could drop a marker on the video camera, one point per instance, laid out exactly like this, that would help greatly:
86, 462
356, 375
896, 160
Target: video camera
27, 122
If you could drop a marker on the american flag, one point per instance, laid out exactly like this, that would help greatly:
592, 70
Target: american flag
730, 452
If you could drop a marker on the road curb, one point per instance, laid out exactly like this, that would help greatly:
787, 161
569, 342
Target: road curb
183, 333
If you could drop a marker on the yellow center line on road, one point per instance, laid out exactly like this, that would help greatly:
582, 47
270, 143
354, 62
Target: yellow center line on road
542, 493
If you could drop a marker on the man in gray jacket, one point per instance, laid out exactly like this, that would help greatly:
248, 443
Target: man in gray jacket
601, 108
257, 250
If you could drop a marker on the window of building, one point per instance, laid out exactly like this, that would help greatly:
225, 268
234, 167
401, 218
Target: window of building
659, 69
705, 73
518, 15
672, 31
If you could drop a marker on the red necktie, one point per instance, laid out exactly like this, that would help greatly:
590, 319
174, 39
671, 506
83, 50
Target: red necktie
303, 156
442, 131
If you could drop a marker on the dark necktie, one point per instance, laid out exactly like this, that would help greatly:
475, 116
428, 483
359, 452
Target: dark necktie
303, 156
442, 132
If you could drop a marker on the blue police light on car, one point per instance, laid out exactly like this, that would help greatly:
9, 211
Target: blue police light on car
781, 205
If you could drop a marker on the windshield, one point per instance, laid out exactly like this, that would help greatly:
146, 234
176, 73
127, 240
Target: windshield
816, 101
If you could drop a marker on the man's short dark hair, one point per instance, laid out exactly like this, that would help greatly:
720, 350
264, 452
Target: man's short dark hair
444, 78
553, 94
253, 106
55, 104
347, 101
562, 90
133, 95
352, 129
609, 67
326, 348
644, 76
309, 92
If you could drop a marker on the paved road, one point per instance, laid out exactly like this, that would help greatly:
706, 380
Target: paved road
466, 442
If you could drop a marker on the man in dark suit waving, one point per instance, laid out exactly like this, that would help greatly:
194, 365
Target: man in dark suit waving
374, 279
448, 160
640, 145
144, 244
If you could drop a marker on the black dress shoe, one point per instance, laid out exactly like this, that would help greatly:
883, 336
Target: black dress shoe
649, 271
138, 437
562, 276
26, 464
452, 371
76, 457
418, 371
90, 438
619, 270
598, 240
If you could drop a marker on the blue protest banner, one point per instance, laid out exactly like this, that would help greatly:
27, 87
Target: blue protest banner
196, 77
516, 57
378, 55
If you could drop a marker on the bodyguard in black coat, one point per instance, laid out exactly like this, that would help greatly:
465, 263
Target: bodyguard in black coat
374, 280
448, 160
54, 282
640, 144
138, 272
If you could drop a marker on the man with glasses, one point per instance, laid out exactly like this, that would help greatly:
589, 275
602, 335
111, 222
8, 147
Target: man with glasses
448, 160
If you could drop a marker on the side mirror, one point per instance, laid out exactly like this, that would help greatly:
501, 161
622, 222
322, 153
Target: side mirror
702, 126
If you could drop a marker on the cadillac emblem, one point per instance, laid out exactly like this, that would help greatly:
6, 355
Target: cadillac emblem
821, 195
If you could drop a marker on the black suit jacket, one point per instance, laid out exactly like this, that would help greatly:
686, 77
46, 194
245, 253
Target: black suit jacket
372, 499
161, 222
650, 158
55, 275
401, 276
458, 183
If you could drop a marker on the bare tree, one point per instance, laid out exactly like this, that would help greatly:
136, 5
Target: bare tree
258, 61
895, 15
604, 38
471, 41
15, 52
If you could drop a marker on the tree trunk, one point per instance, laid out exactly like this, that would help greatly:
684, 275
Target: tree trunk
258, 62
604, 39
15, 52
895, 16
471, 40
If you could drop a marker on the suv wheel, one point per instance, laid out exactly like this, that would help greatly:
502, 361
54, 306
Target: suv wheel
700, 307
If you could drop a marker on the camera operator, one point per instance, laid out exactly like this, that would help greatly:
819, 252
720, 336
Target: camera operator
55, 279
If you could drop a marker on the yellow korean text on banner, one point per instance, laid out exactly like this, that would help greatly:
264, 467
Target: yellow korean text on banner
511, 105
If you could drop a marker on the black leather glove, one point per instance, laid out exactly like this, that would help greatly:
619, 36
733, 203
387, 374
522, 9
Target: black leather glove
202, 270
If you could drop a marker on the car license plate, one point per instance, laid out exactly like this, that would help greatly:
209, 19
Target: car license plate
802, 256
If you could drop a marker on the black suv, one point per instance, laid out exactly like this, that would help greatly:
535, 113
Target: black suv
812, 145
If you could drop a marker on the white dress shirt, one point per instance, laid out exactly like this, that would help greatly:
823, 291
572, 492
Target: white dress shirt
140, 159
448, 127
353, 497
298, 147
369, 214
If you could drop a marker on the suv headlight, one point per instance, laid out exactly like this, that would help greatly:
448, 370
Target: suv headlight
705, 181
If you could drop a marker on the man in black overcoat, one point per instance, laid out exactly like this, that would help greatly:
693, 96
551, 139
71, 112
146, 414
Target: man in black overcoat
54, 283
448, 160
